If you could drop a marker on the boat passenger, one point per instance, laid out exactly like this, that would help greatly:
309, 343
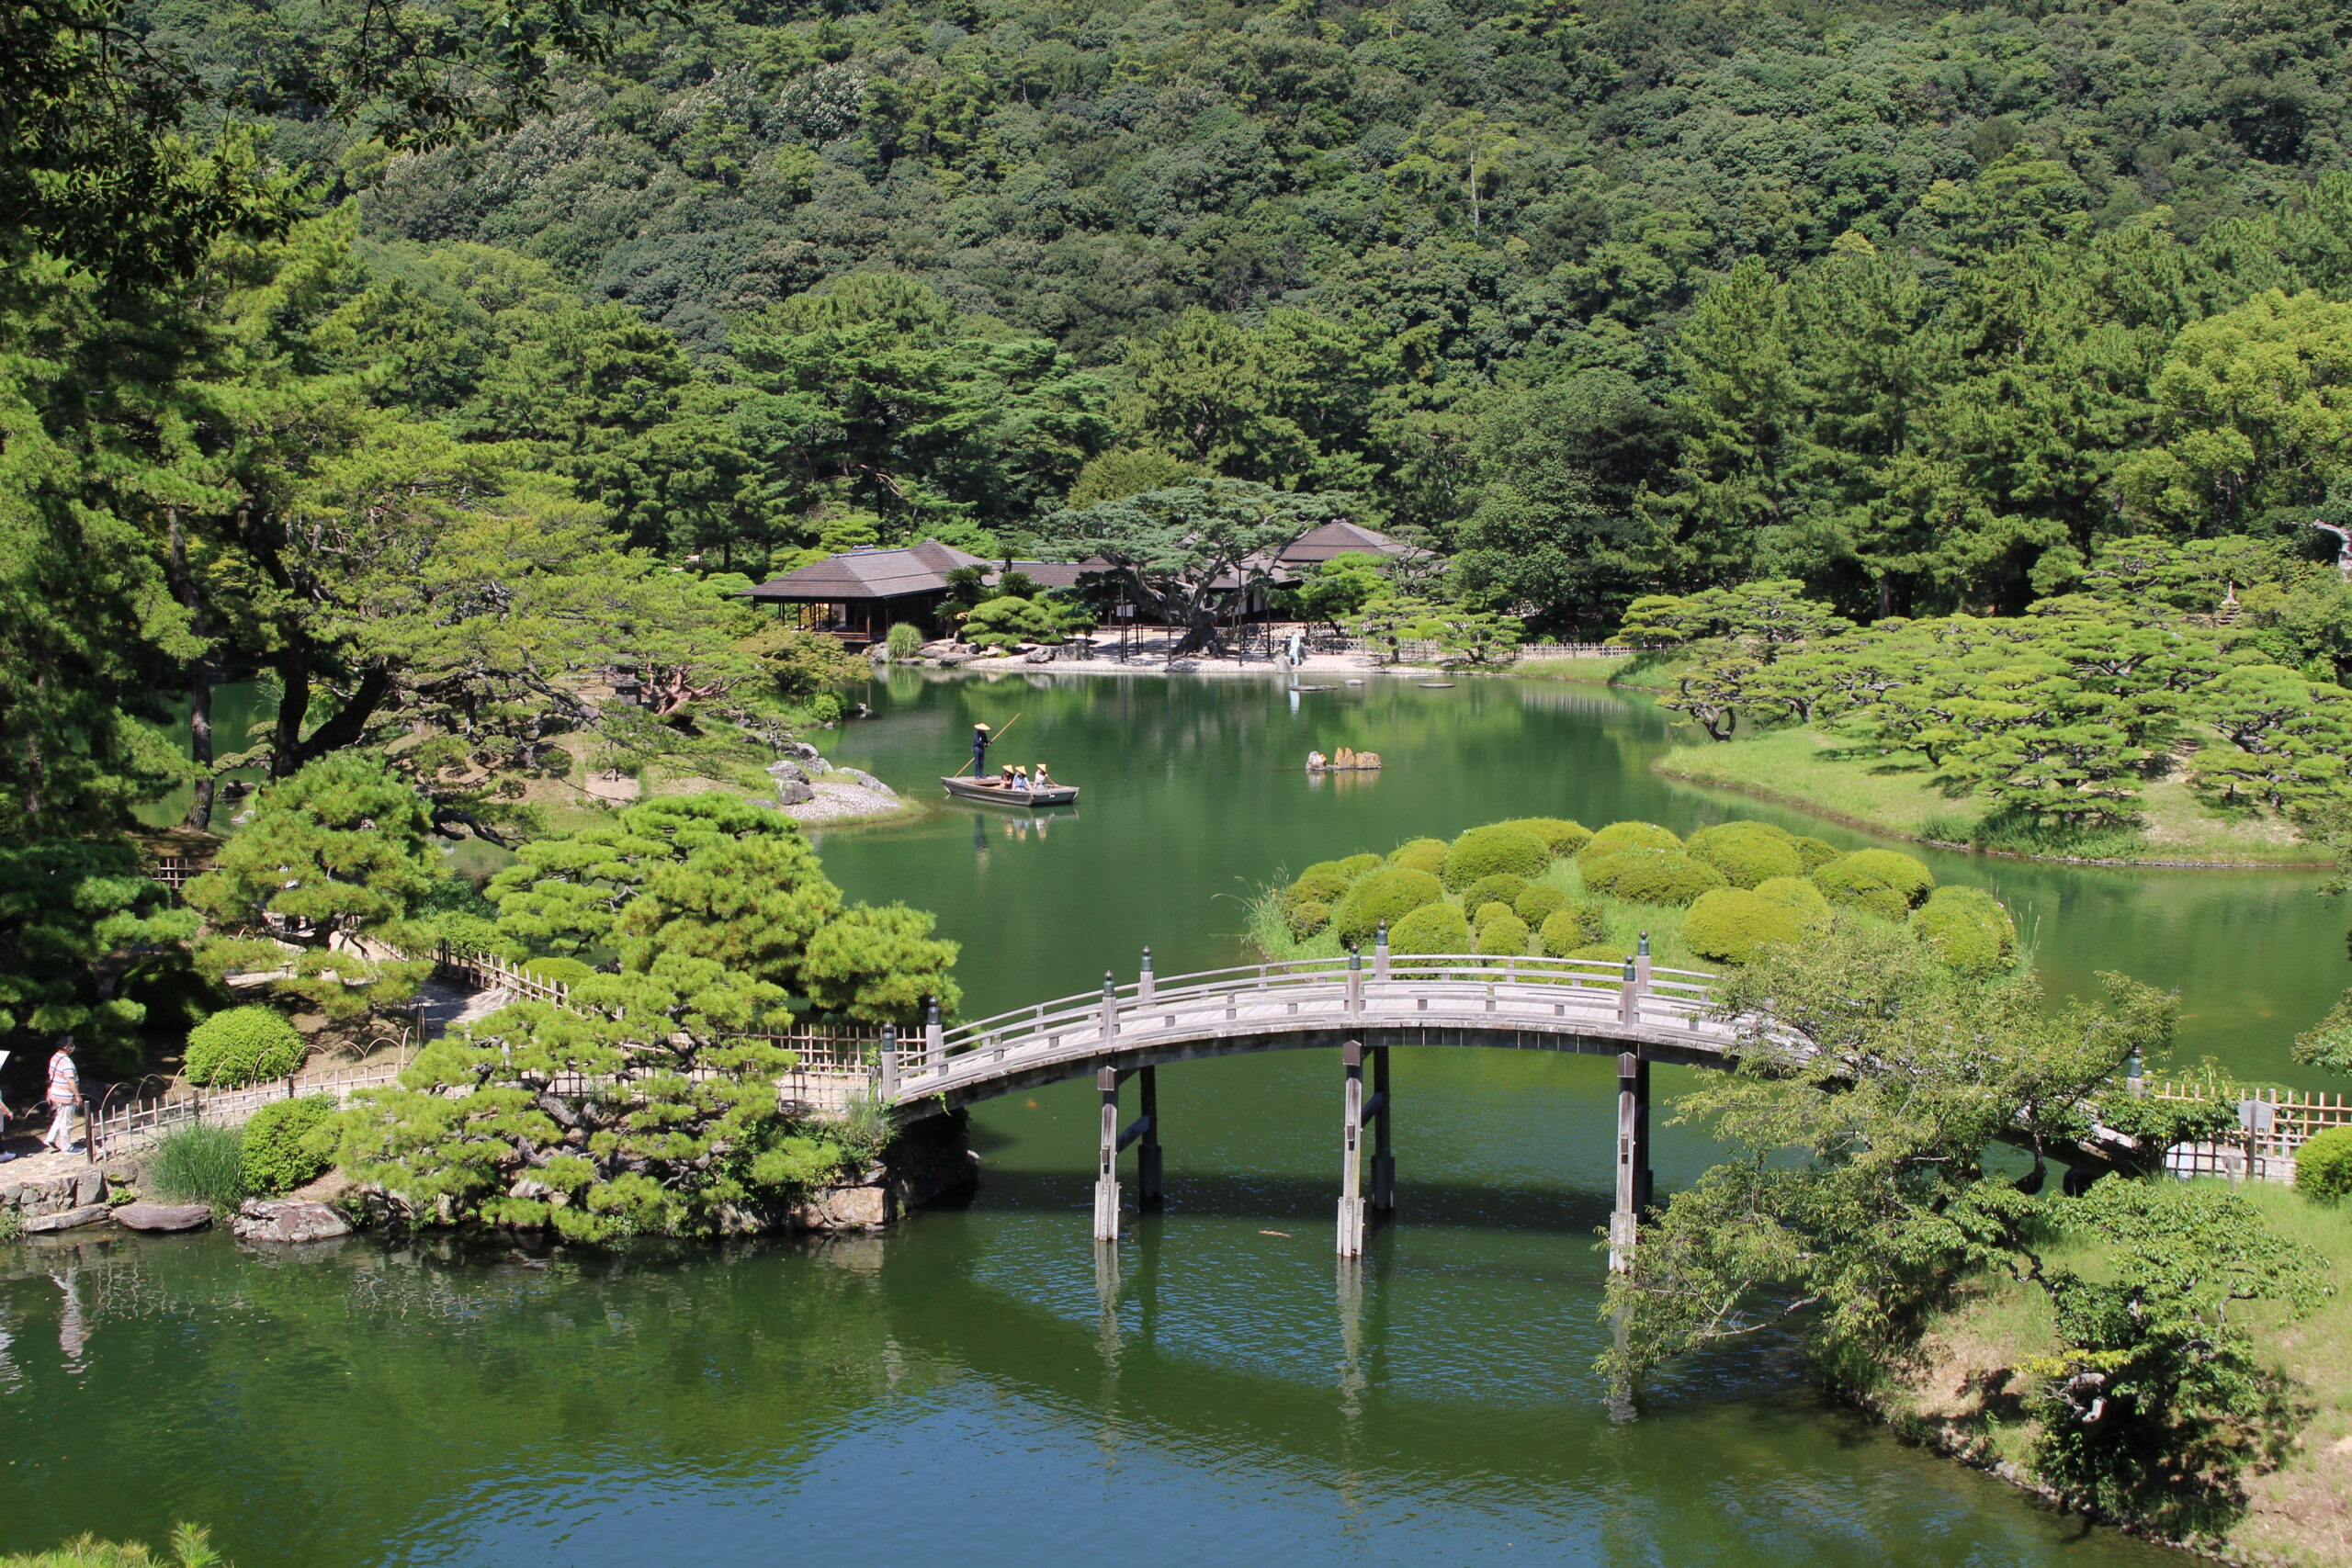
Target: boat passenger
1021, 779
1005, 780
1039, 779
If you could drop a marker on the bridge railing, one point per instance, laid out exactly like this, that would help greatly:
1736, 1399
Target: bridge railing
1331, 987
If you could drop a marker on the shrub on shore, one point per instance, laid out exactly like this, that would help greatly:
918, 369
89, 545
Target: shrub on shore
1432, 928
1817, 853
1382, 896
1308, 920
1795, 892
1316, 884
1651, 876
1747, 852
1504, 936
1560, 836
284, 1146
1539, 903
1880, 881
1419, 854
1620, 836
1731, 924
1969, 929
1575, 925
2324, 1166
1501, 888
198, 1164
241, 1046
1500, 848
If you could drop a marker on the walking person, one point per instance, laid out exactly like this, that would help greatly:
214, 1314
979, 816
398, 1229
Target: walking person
64, 1094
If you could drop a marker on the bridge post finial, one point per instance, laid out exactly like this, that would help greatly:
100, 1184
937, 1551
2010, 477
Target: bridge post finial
1629, 994
1356, 979
1109, 1004
1143, 984
1380, 952
934, 1036
1642, 965
887, 1075
2134, 1083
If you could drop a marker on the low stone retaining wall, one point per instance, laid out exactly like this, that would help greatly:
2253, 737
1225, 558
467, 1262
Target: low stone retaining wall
53, 1198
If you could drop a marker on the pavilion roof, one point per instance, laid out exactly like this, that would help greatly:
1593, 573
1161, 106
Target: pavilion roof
871, 574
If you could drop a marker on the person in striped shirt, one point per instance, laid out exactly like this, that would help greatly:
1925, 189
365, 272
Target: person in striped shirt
64, 1094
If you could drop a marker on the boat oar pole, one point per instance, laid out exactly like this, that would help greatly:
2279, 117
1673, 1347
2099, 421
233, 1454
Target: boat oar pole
992, 740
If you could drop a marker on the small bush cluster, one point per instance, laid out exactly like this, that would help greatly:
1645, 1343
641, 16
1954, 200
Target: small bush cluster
1651, 877
1419, 854
1432, 928
1969, 929
241, 1046
1501, 848
1730, 923
1382, 896
1747, 852
1879, 882
1539, 903
1560, 836
1307, 920
1574, 927
1500, 933
1620, 836
2324, 1166
1501, 888
286, 1145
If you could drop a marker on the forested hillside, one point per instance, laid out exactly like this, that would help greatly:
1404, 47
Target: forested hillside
1894, 298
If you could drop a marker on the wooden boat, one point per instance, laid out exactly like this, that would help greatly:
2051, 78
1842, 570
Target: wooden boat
997, 795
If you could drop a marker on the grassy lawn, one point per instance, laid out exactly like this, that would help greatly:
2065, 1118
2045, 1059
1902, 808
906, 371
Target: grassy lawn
2301, 1512
1624, 669
1896, 795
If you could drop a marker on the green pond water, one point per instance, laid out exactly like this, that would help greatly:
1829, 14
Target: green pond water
978, 1387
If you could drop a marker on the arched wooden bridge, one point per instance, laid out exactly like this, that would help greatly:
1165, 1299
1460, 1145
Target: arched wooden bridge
1637, 1013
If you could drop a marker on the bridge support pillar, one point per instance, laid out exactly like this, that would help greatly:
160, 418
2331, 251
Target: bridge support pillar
1384, 1152
1351, 1152
1106, 1169
1633, 1159
1147, 1182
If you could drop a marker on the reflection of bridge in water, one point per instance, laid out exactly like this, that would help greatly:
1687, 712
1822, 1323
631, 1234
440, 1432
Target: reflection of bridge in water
1640, 1014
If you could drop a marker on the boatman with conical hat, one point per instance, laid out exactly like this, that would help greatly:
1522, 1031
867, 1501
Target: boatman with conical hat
980, 750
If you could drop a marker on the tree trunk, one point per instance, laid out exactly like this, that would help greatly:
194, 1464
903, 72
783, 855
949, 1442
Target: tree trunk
200, 684
285, 739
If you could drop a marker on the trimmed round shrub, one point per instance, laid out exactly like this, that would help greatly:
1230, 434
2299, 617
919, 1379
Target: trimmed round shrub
1498, 848
276, 1157
1578, 926
1817, 853
241, 1046
562, 970
1619, 836
1419, 854
1747, 852
1307, 919
1968, 929
1539, 903
1651, 876
1505, 936
1880, 881
1730, 923
1432, 928
1382, 896
1487, 914
1795, 892
1501, 888
1907, 875
1560, 836
1316, 885
2324, 1166
1353, 867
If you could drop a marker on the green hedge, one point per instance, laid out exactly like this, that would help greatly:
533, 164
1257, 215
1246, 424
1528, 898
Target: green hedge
1651, 876
1419, 854
1619, 836
1539, 903
1382, 896
562, 970
2324, 1166
1307, 919
276, 1159
1969, 929
1747, 852
1730, 923
1501, 888
1578, 925
1494, 849
1432, 928
1505, 936
1861, 881
1795, 892
1316, 884
241, 1046
1817, 853
1560, 836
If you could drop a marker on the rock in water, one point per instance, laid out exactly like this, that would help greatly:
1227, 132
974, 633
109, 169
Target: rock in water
71, 1219
162, 1216
287, 1219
